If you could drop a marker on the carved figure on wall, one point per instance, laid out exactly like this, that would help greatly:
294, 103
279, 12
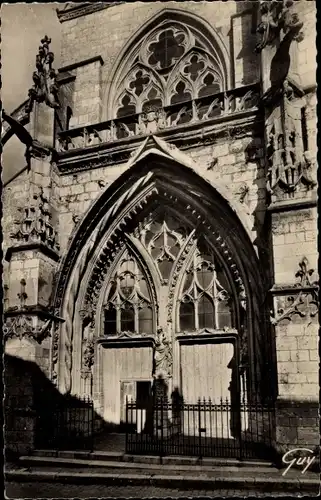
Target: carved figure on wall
268, 26
88, 355
278, 15
163, 356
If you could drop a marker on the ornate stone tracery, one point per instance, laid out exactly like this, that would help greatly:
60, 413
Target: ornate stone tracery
118, 226
173, 63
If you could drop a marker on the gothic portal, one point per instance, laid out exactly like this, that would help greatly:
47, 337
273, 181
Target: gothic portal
160, 235
161, 286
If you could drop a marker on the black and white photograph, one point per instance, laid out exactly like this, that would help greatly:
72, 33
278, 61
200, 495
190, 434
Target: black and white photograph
159, 249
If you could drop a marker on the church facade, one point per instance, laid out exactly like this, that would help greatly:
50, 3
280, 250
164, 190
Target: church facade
165, 224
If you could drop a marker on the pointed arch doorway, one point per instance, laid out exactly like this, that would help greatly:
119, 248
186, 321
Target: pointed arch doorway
165, 288
169, 312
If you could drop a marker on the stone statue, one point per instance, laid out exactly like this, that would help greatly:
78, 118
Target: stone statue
163, 357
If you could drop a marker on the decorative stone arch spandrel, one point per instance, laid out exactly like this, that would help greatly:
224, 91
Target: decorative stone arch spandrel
156, 174
135, 54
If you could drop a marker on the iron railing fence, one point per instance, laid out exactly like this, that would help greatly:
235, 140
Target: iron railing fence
68, 425
204, 429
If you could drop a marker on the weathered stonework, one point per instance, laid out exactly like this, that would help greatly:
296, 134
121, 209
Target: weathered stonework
236, 164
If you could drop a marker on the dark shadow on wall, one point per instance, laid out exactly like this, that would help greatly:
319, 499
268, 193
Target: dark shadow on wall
246, 15
38, 416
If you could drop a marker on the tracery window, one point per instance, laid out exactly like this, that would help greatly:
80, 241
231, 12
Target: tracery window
128, 307
205, 298
172, 64
163, 237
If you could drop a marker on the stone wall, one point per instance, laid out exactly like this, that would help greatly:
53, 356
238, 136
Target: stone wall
242, 175
306, 51
15, 196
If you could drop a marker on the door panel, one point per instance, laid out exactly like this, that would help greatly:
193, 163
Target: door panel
205, 371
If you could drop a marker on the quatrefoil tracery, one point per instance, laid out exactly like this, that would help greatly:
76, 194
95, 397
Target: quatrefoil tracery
171, 55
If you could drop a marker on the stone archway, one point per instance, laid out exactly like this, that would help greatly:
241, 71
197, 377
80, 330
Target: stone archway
157, 175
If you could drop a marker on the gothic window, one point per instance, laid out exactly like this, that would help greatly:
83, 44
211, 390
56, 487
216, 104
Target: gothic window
187, 273
128, 307
173, 63
205, 301
163, 237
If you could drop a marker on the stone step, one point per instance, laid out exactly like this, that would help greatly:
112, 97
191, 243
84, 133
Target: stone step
187, 481
41, 461
151, 459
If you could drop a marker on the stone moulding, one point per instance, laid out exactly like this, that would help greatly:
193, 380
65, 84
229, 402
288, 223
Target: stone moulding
124, 340
206, 335
184, 137
293, 204
40, 247
82, 9
83, 62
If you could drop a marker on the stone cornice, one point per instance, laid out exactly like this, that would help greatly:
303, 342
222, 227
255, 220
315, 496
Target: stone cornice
285, 289
84, 62
184, 137
294, 204
33, 310
83, 9
218, 336
40, 247
119, 341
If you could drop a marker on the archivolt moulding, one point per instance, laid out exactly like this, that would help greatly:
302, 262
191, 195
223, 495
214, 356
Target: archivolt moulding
108, 216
